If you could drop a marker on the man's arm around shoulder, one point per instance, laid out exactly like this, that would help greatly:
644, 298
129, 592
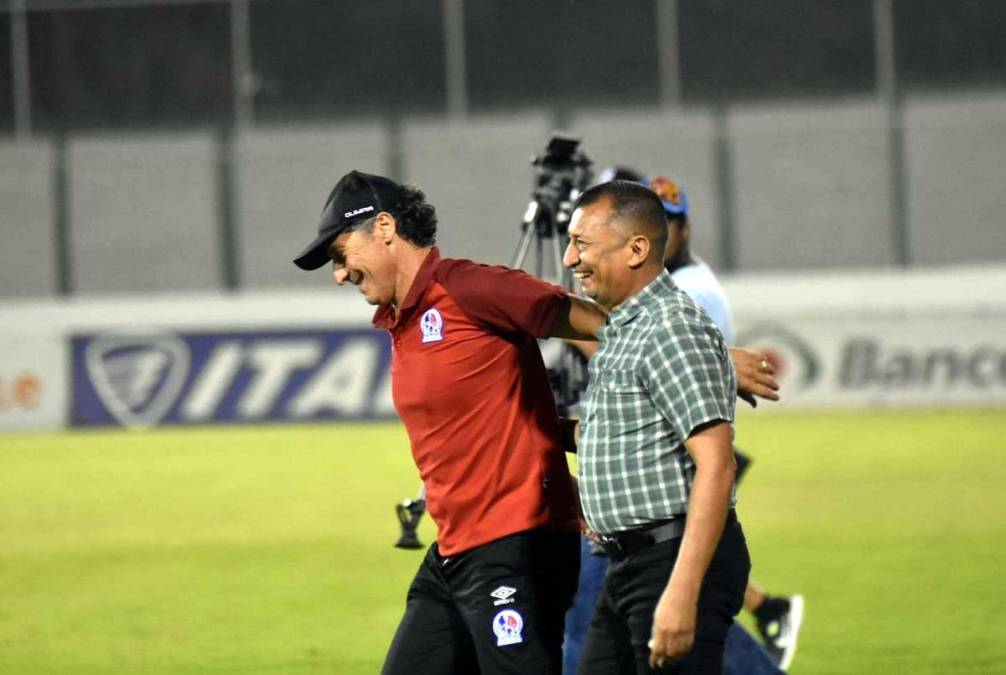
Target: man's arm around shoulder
583, 321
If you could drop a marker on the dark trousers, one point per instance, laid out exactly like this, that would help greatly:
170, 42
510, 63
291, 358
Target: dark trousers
593, 565
497, 608
622, 622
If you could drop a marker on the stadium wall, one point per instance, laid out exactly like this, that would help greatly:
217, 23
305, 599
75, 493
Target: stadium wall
897, 338
809, 185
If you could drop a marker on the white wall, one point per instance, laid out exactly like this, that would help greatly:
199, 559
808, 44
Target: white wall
144, 213
284, 177
811, 190
956, 156
811, 186
27, 252
478, 176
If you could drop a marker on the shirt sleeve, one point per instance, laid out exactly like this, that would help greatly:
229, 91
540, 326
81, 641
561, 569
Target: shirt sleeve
505, 299
715, 305
689, 375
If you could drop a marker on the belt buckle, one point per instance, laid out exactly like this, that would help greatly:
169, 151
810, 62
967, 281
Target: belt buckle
612, 547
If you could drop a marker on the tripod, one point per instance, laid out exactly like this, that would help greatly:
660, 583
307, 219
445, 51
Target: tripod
547, 220
539, 226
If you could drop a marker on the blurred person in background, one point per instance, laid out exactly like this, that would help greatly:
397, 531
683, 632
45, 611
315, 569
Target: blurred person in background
778, 618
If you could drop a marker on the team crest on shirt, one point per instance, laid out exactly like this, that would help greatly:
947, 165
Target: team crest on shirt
508, 626
432, 325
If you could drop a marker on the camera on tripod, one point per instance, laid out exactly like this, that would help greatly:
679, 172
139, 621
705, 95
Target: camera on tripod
562, 172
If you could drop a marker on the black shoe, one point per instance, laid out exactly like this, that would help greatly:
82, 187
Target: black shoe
779, 621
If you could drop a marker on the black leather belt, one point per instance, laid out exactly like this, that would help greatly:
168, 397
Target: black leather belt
620, 545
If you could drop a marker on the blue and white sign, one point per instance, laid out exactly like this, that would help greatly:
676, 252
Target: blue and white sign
168, 378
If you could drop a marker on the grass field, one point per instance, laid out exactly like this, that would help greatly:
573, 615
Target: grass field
268, 550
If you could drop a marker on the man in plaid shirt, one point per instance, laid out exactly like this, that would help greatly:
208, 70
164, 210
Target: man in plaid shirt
655, 454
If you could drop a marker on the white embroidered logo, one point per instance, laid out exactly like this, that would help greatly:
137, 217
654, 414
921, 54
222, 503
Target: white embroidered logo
356, 212
432, 325
502, 595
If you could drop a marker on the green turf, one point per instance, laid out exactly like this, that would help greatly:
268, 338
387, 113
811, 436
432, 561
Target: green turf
268, 550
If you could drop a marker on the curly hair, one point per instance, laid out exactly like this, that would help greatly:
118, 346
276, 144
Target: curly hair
417, 220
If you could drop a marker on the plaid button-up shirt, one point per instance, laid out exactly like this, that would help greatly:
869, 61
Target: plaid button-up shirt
661, 371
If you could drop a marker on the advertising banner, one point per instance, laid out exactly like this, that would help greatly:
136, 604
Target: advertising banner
839, 340
253, 376
918, 359
240, 376
32, 383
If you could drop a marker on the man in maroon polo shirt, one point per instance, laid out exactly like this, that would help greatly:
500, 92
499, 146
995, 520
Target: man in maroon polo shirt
470, 386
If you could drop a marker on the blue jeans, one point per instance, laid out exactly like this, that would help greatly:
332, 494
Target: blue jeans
743, 654
592, 569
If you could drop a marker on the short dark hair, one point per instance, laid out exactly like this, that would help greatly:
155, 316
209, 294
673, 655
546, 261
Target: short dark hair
630, 202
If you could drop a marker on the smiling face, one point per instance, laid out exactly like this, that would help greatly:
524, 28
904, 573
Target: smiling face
364, 260
599, 254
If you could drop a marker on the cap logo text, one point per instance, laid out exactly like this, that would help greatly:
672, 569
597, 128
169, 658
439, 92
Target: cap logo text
356, 212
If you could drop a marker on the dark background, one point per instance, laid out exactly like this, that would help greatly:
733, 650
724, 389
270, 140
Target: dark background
168, 65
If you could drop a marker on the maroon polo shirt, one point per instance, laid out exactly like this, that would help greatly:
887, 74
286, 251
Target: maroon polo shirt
469, 383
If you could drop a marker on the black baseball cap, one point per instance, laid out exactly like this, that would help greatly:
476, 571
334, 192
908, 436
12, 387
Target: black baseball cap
357, 196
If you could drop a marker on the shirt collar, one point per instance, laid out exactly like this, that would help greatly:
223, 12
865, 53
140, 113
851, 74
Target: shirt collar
384, 317
647, 296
